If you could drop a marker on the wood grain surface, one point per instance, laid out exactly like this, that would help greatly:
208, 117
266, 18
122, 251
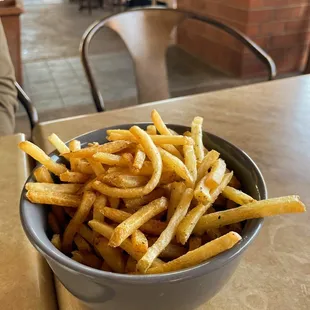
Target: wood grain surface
271, 122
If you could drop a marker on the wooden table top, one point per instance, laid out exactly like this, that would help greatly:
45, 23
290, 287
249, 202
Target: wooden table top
271, 122
25, 278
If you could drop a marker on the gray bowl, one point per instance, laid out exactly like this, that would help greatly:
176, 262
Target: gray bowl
185, 289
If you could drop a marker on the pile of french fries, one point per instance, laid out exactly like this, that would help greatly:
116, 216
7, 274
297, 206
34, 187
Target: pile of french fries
148, 201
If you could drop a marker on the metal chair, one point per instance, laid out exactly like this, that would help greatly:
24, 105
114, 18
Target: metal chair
28, 105
146, 33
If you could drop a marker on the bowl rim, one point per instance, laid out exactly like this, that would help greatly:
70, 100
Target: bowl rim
51, 252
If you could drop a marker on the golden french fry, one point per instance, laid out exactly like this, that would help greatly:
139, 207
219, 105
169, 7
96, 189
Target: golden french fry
151, 130
197, 256
153, 154
140, 201
171, 251
54, 198
139, 241
60, 215
159, 123
120, 134
83, 166
177, 190
172, 140
202, 192
86, 258
96, 167
110, 147
152, 227
190, 160
113, 256
257, 209
86, 233
40, 156
42, 175
74, 145
81, 243
130, 265
206, 163
168, 177
60, 188
172, 150
53, 223
166, 236
73, 177
216, 174
237, 196
78, 219
99, 204
138, 160
126, 228
56, 241
110, 159
128, 159
59, 145
189, 222
114, 202
194, 243
106, 267
107, 231
196, 131
125, 181
178, 166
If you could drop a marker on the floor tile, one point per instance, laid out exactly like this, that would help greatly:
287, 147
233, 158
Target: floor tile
38, 75
73, 100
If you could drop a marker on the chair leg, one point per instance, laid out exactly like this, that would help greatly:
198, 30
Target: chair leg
307, 69
89, 7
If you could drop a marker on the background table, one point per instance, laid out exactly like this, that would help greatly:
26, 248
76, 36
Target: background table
25, 278
271, 122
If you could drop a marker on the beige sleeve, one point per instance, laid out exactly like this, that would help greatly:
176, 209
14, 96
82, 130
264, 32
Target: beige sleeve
8, 94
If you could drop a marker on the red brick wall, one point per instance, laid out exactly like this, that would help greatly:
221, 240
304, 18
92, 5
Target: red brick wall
280, 27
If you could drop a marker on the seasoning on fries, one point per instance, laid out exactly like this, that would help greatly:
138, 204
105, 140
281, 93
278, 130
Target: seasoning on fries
146, 202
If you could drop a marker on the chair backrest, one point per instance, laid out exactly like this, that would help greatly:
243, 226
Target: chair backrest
147, 35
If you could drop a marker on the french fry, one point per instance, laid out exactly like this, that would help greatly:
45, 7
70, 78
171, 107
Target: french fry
42, 175
172, 150
110, 147
56, 241
128, 159
114, 202
194, 243
60, 215
197, 256
83, 166
130, 265
86, 233
168, 177
121, 180
196, 131
96, 167
88, 259
189, 222
106, 267
190, 160
113, 256
151, 130
126, 228
54, 198
60, 188
159, 123
53, 223
140, 201
178, 166
99, 204
172, 140
153, 154
171, 251
40, 156
216, 174
139, 241
177, 190
78, 219
138, 160
256, 209
166, 236
202, 192
206, 163
74, 145
120, 134
73, 177
107, 231
81, 243
110, 159
152, 227
59, 145
237, 196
